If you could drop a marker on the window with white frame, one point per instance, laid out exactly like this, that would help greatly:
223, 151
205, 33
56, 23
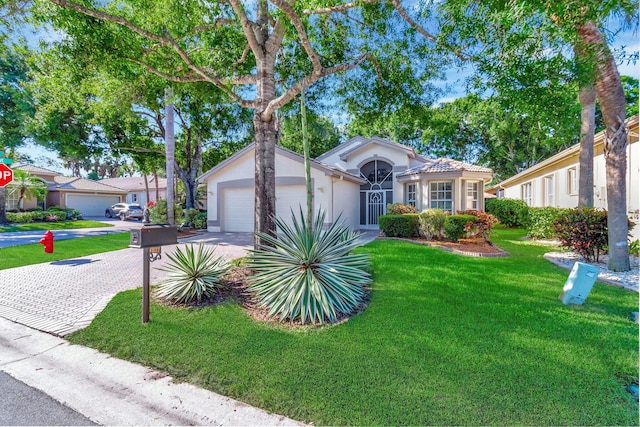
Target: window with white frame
410, 194
473, 201
441, 195
527, 193
549, 193
12, 197
572, 181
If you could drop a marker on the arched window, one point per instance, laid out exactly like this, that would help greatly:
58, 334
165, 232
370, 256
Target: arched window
376, 192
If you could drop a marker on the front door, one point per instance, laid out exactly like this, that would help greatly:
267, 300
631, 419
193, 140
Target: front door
375, 206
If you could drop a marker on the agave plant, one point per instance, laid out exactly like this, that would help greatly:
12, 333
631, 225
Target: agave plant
192, 274
308, 273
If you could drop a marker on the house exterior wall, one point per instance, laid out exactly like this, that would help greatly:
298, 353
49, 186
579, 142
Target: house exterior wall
330, 194
565, 189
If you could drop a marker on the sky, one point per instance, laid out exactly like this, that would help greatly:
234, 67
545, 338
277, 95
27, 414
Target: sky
454, 80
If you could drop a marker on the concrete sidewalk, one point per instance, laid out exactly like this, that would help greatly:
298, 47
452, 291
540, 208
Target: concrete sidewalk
111, 391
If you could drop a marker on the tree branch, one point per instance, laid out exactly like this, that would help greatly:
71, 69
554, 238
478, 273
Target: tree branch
248, 29
310, 79
338, 8
302, 33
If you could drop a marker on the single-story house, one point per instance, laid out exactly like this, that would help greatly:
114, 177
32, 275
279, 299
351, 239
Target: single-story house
87, 196
554, 182
136, 191
356, 180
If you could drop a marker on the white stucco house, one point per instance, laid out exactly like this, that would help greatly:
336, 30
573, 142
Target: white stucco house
356, 180
136, 189
554, 182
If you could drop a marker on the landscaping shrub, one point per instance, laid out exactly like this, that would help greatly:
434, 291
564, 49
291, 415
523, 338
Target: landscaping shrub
190, 215
200, 221
540, 222
192, 275
399, 225
510, 212
158, 213
584, 231
399, 209
20, 217
431, 223
481, 226
454, 226
309, 276
634, 248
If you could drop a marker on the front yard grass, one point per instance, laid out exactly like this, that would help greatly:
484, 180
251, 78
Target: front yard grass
445, 340
64, 225
18, 256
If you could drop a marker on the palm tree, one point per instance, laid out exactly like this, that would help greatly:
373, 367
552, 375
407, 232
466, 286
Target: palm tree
27, 186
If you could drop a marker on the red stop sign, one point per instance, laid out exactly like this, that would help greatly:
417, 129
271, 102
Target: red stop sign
6, 175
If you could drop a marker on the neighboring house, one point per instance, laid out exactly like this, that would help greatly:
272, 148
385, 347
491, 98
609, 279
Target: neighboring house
87, 196
136, 191
356, 180
554, 182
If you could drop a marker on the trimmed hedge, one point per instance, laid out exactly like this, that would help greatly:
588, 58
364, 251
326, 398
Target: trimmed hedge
431, 223
454, 226
399, 225
540, 222
510, 212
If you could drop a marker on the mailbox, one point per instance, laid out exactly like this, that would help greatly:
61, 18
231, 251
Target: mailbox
579, 284
153, 235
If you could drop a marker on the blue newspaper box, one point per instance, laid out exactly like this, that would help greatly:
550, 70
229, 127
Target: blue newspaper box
579, 284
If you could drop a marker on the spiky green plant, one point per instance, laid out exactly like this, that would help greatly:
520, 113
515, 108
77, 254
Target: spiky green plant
192, 274
309, 275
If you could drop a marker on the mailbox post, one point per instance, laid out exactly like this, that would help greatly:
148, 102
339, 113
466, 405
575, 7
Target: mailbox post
150, 239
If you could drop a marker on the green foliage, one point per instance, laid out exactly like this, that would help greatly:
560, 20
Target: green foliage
158, 213
53, 214
510, 212
481, 226
400, 209
540, 222
634, 248
193, 274
455, 226
584, 231
190, 216
200, 221
322, 133
431, 223
399, 225
309, 276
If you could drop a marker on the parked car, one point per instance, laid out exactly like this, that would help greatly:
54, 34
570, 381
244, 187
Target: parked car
124, 211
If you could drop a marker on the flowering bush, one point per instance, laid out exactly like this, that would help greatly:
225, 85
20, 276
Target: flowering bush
584, 231
482, 226
400, 209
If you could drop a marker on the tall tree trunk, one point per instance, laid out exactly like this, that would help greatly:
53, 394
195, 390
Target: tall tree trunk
3, 206
613, 103
170, 153
146, 188
587, 98
307, 163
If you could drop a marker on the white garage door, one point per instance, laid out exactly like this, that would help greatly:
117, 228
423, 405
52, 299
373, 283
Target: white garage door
90, 204
238, 206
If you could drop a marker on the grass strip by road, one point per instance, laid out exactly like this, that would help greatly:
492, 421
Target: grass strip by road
18, 256
445, 340
64, 225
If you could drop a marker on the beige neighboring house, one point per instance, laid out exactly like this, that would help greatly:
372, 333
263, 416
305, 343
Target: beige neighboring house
89, 197
136, 191
554, 182
355, 180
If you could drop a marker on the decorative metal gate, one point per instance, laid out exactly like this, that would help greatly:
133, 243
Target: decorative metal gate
375, 206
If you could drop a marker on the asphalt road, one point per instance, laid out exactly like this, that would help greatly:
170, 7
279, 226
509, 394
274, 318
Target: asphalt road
21, 405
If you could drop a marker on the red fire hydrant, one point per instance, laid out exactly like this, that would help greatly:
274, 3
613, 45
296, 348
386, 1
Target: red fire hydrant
47, 241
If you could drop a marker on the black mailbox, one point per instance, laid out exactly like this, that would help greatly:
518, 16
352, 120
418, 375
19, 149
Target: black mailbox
153, 235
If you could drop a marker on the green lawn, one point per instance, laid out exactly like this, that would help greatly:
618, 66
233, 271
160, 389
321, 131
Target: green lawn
18, 256
64, 225
446, 340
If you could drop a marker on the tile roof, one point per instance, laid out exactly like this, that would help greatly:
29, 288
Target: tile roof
444, 165
34, 169
134, 182
82, 184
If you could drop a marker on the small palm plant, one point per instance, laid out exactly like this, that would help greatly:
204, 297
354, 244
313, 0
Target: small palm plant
308, 273
193, 274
